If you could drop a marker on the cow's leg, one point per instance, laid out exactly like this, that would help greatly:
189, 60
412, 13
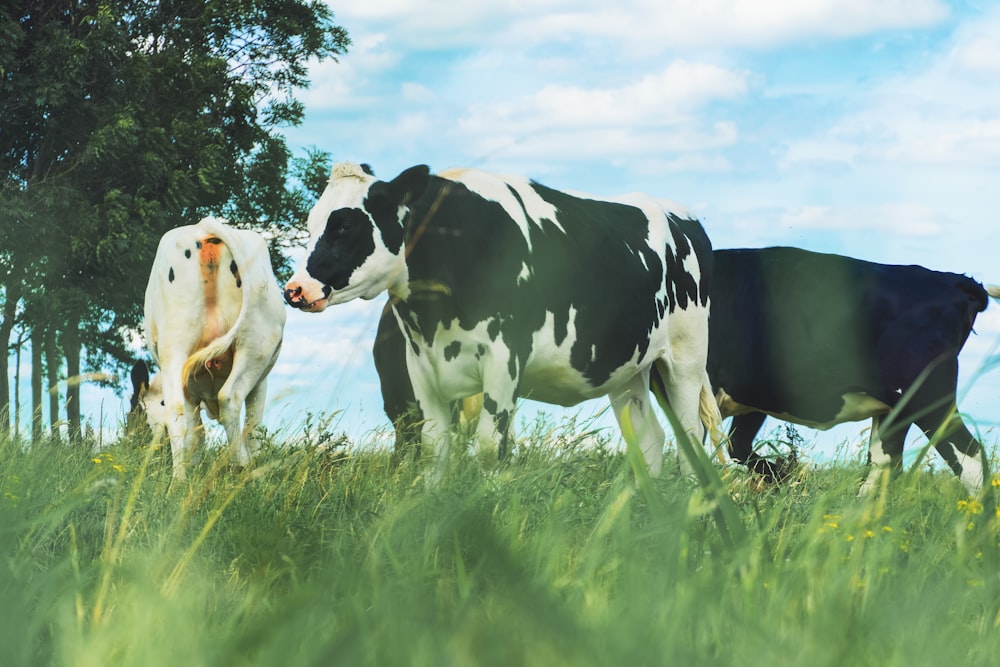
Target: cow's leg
885, 453
181, 419
499, 398
648, 432
249, 446
932, 405
742, 431
957, 446
682, 382
232, 397
183, 422
493, 425
435, 429
398, 401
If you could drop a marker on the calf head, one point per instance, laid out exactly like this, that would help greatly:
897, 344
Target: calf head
356, 233
147, 399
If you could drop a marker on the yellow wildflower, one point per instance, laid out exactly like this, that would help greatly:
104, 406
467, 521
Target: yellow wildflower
970, 506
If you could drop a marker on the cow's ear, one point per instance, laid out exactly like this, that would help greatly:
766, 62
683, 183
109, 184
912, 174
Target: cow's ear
140, 383
410, 184
139, 375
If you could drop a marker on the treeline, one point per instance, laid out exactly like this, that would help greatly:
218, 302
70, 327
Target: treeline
120, 120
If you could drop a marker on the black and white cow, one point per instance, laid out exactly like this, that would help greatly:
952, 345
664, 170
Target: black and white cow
820, 339
503, 286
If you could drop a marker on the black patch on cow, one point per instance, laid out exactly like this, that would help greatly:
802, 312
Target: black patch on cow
452, 350
170, 274
344, 246
502, 420
702, 246
197, 244
367, 168
681, 286
493, 328
187, 253
383, 202
489, 404
480, 351
600, 267
235, 270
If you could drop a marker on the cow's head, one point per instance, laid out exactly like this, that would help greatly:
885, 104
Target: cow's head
147, 400
153, 404
356, 233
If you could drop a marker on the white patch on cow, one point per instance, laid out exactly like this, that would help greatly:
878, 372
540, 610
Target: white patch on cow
673, 208
972, 472
461, 375
879, 459
524, 275
857, 406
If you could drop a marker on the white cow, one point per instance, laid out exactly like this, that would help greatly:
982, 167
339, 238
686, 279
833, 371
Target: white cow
213, 323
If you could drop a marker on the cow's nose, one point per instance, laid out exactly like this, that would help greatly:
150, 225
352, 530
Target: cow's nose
293, 296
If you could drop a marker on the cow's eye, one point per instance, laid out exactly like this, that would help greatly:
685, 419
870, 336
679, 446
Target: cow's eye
338, 224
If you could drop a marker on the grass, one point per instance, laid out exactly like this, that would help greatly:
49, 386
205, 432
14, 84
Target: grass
319, 556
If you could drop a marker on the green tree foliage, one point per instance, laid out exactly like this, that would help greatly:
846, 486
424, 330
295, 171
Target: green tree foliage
122, 119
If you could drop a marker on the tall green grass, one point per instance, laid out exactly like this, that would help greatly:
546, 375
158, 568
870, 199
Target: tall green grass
321, 557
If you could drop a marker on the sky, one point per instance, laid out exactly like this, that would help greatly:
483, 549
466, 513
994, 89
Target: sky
862, 127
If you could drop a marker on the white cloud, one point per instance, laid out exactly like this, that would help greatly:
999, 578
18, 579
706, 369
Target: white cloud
898, 219
653, 114
639, 26
981, 54
945, 115
344, 84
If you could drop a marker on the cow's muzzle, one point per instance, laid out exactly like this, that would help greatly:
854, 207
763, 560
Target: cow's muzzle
296, 298
293, 297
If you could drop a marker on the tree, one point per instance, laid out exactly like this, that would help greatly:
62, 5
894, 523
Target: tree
126, 118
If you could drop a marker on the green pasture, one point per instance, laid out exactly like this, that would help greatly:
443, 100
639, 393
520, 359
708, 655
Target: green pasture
334, 556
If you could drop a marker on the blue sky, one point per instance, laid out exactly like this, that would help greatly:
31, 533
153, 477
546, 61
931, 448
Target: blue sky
869, 128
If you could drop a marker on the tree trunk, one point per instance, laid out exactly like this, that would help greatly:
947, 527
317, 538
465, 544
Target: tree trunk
52, 363
37, 370
17, 385
12, 295
71, 348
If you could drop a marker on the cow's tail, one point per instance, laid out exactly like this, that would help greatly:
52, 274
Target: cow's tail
243, 256
711, 418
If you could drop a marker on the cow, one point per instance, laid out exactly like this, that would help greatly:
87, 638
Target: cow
820, 339
504, 286
214, 319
